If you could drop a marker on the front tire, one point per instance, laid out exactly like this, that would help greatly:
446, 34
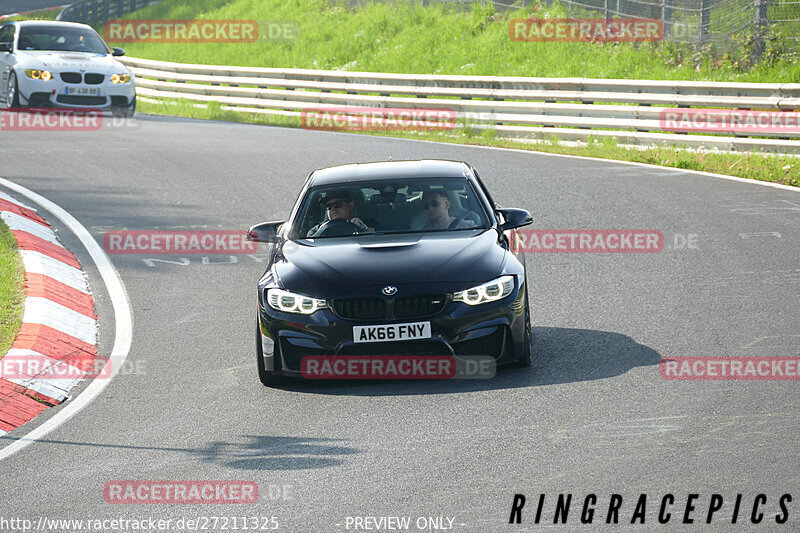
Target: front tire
526, 358
267, 378
125, 111
12, 93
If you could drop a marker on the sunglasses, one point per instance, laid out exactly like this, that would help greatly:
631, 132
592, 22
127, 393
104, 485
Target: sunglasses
335, 205
433, 203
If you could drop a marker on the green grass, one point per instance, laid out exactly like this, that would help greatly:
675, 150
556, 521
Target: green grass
399, 37
771, 168
12, 289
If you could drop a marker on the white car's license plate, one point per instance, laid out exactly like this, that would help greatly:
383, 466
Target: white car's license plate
392, 332
82, 91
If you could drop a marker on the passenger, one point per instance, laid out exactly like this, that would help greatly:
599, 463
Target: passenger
437, 210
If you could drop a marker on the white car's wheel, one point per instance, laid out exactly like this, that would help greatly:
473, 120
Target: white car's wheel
126, 111
12, 92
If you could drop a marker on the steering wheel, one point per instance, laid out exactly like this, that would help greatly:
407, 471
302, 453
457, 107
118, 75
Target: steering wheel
337, 228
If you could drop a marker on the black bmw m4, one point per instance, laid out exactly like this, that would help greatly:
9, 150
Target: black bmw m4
398, 258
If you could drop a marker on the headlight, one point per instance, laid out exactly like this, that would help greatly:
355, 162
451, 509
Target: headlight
290, 302
488, 292
120, 78
36, 74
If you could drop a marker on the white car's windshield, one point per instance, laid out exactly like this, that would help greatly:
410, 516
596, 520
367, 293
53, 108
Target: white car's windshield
62, 39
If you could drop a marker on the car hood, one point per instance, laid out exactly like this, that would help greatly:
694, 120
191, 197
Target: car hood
68, 61
325, 266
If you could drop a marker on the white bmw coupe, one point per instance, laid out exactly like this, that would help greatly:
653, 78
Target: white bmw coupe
64, 65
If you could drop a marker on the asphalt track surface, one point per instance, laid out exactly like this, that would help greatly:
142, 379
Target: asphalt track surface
592, 415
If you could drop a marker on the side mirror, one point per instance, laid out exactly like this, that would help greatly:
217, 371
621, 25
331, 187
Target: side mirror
5, 47
265, 232
514, 218
117, 52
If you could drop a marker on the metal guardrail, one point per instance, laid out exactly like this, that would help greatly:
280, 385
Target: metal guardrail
99, 11
572, 109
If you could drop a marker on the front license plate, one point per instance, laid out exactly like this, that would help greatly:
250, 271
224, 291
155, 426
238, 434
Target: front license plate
392, 332
82, 91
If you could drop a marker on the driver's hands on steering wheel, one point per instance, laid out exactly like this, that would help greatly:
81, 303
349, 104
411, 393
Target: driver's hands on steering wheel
336, 228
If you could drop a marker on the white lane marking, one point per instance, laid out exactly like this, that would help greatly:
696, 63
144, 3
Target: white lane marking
749, 208
38, 263
20, 223
40, 310
123, 320
761, 234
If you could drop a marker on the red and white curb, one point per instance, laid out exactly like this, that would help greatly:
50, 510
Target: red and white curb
59, 324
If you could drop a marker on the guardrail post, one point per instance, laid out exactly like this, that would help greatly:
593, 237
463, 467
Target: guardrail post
666, 15
760, 22
105, 16
705, 21
609, 11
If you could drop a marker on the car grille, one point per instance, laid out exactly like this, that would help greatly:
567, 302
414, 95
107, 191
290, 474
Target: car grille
376, 308
293, 355
71, 77
81, 100
419, 306
491, 344
94, 79
423, 347
360, 308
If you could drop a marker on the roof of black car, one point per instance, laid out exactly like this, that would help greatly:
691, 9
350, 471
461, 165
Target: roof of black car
425, 168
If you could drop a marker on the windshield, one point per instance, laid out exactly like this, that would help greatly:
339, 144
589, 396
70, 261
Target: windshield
62, 39
390, 207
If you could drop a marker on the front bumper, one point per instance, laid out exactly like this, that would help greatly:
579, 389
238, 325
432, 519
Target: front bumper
54, 93
495, 329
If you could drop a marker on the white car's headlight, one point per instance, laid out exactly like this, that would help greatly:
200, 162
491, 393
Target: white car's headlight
37, 74
120, 78
488, 292
290, 302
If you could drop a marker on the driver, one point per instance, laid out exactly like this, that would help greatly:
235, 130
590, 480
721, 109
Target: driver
339, 205
437, 211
